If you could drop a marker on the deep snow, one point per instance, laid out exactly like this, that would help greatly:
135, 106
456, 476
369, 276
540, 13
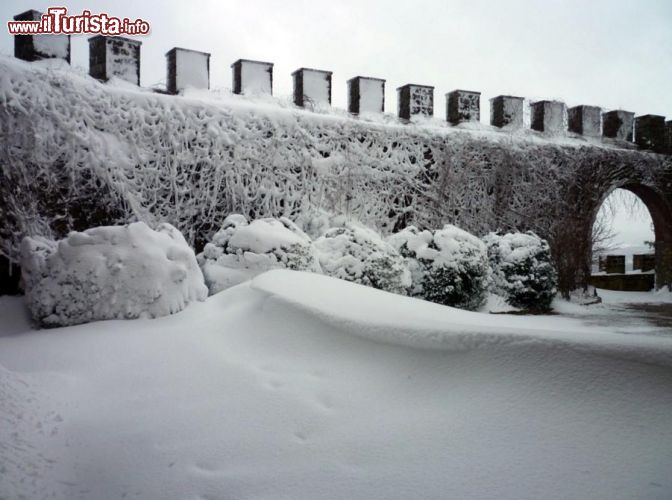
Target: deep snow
302, 386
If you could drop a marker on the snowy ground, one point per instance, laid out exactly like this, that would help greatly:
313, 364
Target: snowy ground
301, 386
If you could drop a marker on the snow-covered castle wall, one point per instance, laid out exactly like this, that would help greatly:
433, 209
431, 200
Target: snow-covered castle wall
312, 87
36, 47
366, 95
187, 69
114, 56
138, 155
252, 77
415, 100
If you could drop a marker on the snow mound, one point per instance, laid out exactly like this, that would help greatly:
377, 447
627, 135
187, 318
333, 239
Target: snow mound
522, 270
110, 272
406, 321
241, 250
449, 266
358, 254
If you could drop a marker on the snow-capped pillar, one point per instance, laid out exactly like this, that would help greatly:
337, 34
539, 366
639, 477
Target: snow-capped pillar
311, 87
36, 47
252, 77
585, 120
415, 100
187, 68
618, 124
549, 116
366, 95
114, 56
650, 132
463, 106
507, 111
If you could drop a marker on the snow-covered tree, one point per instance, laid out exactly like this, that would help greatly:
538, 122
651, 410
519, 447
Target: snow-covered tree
240, 250
522, 269
448, 266
356, 253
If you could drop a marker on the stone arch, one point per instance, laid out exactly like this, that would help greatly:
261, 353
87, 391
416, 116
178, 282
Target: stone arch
661, 214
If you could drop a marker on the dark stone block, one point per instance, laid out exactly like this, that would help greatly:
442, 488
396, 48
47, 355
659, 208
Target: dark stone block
10, 276
366, 94
549, 116
415, 100
644, 262
612, 264
618, 124
463, 106
507, 111
311, 87
37, 47
650, 132
668, 137
624, 282
114, 56
252, 76
585, 120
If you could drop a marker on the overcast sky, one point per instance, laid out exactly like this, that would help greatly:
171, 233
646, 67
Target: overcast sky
614, 54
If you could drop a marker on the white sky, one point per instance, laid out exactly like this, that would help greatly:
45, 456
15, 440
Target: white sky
610, 53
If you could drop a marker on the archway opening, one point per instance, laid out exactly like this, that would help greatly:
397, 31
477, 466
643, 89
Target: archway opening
631, 240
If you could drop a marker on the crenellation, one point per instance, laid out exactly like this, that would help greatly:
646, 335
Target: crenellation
549, 116
36, 47
415, 100
585, 120
507, 111
312, 87
463, 106
366, 95
187, 68
252, 77
114, 56
618, 124
650, 132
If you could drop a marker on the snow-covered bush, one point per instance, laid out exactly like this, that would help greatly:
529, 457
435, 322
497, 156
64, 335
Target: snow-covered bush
356, 253
110, 272
522, 269
448, 266
240, 250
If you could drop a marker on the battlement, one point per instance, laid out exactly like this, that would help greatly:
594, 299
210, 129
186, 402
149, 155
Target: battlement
186, 68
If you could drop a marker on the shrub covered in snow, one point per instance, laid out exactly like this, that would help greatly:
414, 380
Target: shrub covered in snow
356, 253
522, 269
449, 266
240, 250
110, 272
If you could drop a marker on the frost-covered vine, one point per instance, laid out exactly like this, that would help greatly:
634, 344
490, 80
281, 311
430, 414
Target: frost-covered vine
77, 153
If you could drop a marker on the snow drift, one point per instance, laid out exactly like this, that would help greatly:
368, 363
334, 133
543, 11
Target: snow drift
110, 272
298, 385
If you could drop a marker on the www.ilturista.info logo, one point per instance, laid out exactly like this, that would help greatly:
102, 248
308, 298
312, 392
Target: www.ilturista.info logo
57, 21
